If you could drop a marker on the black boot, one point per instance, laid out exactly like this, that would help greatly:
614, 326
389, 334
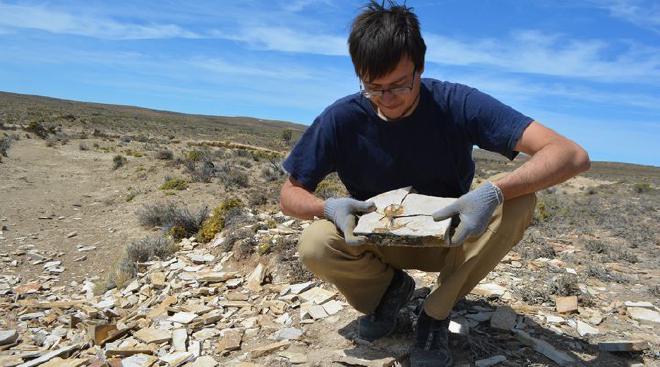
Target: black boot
431, 348
382, 321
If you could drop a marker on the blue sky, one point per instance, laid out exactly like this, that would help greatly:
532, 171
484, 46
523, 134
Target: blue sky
588, 69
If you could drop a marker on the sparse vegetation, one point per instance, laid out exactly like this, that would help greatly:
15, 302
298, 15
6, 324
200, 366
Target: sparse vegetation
165, 155
82, 146
216, 222
174, 184
5, 143
136, 252
172, 218
118, 161
330, 187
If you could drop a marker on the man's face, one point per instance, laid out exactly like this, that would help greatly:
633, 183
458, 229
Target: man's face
396, 105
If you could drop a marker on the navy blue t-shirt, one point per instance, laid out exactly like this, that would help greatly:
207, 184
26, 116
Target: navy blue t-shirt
430, 150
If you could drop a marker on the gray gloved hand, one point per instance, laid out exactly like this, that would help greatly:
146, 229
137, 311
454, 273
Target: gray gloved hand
474, 210
341, 211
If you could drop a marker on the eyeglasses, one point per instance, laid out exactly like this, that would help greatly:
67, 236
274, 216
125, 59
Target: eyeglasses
397, 91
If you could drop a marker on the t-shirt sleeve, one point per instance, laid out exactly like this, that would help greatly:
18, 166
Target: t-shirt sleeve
492, 125
313, 156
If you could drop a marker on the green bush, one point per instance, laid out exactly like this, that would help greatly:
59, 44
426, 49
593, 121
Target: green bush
118, 161
216, 222
174, 184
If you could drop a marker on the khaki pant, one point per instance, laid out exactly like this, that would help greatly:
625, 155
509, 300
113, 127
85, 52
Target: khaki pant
363, 273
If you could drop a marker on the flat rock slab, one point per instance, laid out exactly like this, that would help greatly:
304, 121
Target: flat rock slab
403, 218
69, 362
139, 360
504, 318
266, 349
8, 336
566, 304
644, 314
150, 335
183, 317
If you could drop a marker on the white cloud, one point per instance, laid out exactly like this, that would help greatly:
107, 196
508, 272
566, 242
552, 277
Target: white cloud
267, 70
284, 39
535, 53
645, 14
54, 21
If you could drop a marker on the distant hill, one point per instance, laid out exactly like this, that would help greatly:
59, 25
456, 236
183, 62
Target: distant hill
120, 120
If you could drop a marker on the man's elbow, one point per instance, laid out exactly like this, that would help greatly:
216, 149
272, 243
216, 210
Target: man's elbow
581, 160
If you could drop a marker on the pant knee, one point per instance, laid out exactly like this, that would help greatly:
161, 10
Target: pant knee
313, 244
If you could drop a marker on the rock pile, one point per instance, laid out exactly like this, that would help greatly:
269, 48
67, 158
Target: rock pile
204, 308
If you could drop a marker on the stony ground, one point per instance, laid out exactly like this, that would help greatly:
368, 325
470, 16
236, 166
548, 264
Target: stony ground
580, 289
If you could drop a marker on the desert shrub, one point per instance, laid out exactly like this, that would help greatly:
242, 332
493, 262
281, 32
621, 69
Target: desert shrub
165, 154
170, 215
125, 139
5, 143
330, 187
174, 184
139, 251
594, 246
271, 173
599, 272
232, 177
38, 129
83, 146
619, 254
133, 153
245, 163
641, 187
203, 171
286, 136
195, 155
258, 197
243, 153
118, 161
216, 222
564, 285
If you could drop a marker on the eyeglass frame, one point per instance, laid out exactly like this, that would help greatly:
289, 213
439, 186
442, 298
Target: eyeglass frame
398, 91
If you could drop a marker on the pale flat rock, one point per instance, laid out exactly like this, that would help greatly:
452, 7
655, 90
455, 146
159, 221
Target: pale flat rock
150, 335
8, 336
215, 277
332, 307
50, 355
490, 361
200, 258
293, 357
230, 339
343, 358
288, 334
566, 304
179, 339
139, 360
300, 287
585, 329
644, 314
642, 304
207, 333
317, 295
459, 326
203, 361
552, 319
267, 349
177, 358
183, 317
404, 218
10, 361
488, 290
255, 278
69, 362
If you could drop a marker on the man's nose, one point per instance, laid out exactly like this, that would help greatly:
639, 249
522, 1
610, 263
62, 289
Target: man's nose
387, 96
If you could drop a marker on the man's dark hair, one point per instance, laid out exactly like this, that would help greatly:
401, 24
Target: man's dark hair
381, 35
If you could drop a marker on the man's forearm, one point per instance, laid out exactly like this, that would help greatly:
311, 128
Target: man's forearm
553, 164
297, 202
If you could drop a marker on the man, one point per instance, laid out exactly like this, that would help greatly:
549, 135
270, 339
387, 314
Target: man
402, 130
